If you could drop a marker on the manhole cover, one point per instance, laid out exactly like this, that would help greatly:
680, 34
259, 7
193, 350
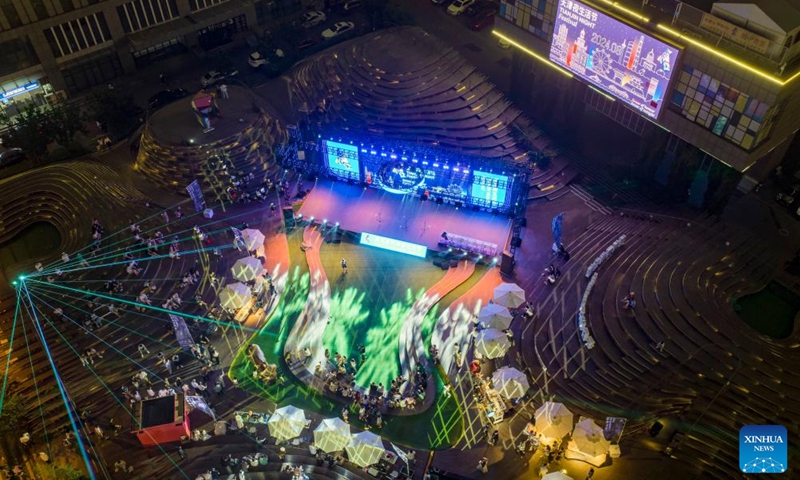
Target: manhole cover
504, 62
783, 232
472, 47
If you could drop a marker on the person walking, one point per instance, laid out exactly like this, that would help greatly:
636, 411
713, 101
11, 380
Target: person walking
272, 208
344, 266
143, 350
590, 474
224, 91
483, 465
181, 453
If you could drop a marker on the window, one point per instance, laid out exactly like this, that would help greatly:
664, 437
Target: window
77, 35
195, 5
40, 9
534, 16
7, 6
96, 71
723, 110
15, 55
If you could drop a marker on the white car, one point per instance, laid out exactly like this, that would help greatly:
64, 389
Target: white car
214, 76
257, 60
459, 6
312, 19
338, 29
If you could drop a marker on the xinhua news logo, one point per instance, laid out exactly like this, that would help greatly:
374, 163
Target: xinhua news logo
763, 449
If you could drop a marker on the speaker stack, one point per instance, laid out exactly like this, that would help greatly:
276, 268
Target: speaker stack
516, 241
507, 264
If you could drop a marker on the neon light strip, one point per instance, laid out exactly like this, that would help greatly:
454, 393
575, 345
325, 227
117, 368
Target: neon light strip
394, 245
730, 59
532, 54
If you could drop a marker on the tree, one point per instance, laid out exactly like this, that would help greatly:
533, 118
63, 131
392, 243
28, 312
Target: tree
65, 122
59, 472
29, 130
117, 112
13, 416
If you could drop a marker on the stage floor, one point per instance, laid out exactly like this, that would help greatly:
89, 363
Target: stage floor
400, 216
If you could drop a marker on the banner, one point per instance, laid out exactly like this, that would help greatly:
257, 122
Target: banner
182, 334
199, 403
238, 239
556, 225
399, 453
197, 196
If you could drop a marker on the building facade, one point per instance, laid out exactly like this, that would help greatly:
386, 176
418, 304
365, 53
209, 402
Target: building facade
733, 94
52, 49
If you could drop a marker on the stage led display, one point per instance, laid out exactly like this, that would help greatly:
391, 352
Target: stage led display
342, 158
489, 188
619, 59
394, 245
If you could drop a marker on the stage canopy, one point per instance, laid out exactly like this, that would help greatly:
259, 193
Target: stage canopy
287, 423
495, 316
492, 343
246, 269
589, 439
253, 239
509, 295
332, 435
365, 449
234, 296
510, 382
553, 420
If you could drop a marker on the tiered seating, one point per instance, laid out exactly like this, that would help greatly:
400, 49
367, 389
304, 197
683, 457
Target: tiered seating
408, 86
713, 366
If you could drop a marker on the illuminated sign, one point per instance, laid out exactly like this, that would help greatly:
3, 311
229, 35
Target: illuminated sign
342, 158
489, 188
621, 60
9, 94
394, 245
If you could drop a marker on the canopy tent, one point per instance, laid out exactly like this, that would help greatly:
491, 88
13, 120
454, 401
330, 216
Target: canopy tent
286, 423
509, 295
332, 435
553, 420
495, 316
247, 268
365, 449
557, 476
491, 343
253, 239
510, 382
234, 296
589, 438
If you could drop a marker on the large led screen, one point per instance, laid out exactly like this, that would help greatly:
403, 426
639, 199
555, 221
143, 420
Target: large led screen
342, 159
394, 245
633, 67
489, 188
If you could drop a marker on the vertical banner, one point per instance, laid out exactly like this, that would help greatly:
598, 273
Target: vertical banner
182, 334
197, 196
199, 403
238, 239
556, 225
403, 456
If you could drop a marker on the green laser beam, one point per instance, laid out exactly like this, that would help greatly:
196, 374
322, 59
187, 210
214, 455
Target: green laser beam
147, 307
135, 420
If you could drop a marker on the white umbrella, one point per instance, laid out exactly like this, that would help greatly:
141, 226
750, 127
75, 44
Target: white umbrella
365, 449
234, 296
589, 438
252, 238
247, 268
553, 420
492, 343
332, 435
495, 316
509, 295
510, 382
557, 476
287, 423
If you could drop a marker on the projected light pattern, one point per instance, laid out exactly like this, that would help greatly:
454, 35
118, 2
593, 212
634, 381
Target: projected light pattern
342, 159
489, 188
394, 245
619, 59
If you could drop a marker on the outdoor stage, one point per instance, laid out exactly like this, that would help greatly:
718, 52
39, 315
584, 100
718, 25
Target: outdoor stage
402, 217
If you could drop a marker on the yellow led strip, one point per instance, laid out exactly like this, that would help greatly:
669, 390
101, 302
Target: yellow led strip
603, 93
733, 60
532, 53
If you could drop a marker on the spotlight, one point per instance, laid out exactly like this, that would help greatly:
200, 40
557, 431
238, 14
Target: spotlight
14, 283
191, 140
495, 259
22, 277
449, 250
337, 224
311, 218
324, 221
480, 256
299, 215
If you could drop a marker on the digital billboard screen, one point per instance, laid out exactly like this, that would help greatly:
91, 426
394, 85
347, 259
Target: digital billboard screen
489, 188
394, 245
342, 159
619, 59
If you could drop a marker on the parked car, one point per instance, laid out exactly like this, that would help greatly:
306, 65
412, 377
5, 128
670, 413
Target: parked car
214, 76
459, 6
256, 60
314, 18
306, 43
482, 20
503, 44
479, 6
338, 29
11, 156
348, 7
165, 97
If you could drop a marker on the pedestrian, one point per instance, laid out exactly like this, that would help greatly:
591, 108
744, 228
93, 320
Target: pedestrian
272, 208
181, 453
168, 366
224, 90
143, 350
495, 437
344, 267
163, 78
25, 439
483, 465
510, 336
590, 474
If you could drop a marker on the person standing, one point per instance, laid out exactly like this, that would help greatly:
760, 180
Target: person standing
181, 453
483, 465
344, 266
590, 474
143, 350
224, 91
